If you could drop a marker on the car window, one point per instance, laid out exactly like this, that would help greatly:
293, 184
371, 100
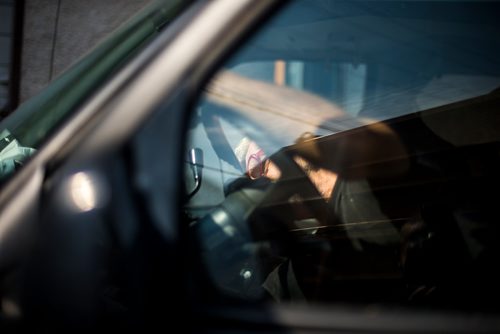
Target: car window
23, 132
348, 152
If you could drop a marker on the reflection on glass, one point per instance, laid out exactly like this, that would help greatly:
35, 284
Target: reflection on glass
83, 191
338, 180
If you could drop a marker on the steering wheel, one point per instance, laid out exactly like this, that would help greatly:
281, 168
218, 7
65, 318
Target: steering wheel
234, 237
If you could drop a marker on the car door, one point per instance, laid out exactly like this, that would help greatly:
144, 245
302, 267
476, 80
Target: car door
53, 270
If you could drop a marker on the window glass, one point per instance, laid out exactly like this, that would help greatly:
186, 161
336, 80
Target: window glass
348, 152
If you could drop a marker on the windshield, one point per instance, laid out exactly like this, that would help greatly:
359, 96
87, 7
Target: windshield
28, 127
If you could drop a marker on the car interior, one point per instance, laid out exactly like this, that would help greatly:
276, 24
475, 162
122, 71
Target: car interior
379, 180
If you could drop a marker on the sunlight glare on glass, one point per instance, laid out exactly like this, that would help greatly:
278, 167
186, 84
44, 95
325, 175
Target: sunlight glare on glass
83, 191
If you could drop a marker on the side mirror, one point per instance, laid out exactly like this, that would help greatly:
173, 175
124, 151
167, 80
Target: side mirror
195, 160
